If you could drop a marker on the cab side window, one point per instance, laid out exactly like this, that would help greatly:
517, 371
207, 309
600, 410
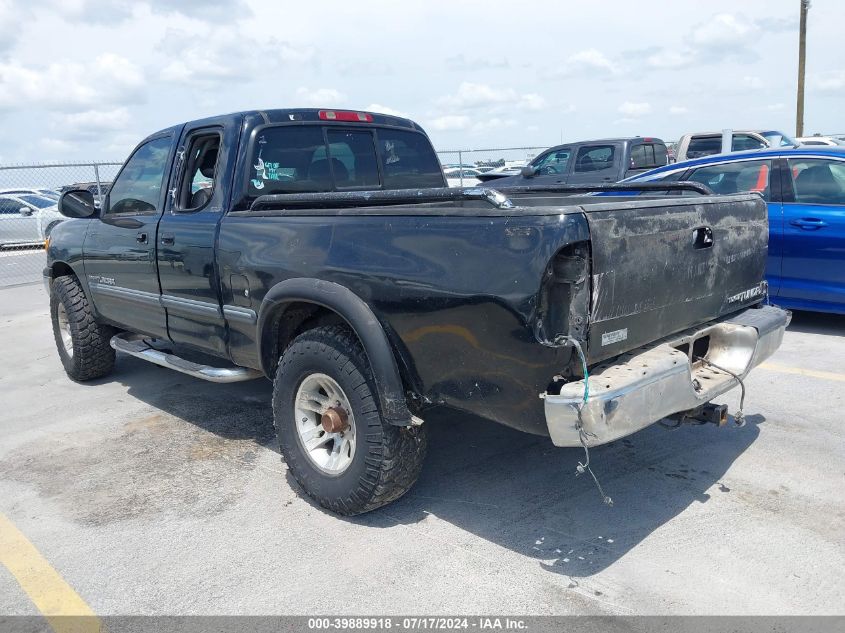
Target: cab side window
818, 181
198, 178
594, 158
137, 190
737, 177
553, 162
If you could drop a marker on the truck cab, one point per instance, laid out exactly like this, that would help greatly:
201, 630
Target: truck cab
590, 162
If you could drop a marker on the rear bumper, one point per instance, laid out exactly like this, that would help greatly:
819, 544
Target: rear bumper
658, 380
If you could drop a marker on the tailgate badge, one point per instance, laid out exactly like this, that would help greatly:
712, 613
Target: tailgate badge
757, 291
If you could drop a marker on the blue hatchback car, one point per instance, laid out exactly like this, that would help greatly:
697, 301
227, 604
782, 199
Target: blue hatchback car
805, 191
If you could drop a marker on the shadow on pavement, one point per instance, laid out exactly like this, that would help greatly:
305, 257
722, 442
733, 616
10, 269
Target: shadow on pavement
515, 490
818, 323
521, 493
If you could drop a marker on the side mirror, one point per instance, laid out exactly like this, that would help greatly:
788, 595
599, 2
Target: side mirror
25, 211
77, 203
528, 171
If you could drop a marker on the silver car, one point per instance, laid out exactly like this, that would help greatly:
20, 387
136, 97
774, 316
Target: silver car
26, 218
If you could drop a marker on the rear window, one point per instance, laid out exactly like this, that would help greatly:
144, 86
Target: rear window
594, 158
289, 159
648, 156
742, 142
408, 160
704, 146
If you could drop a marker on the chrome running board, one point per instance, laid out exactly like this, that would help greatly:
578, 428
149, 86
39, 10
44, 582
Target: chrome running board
134, 346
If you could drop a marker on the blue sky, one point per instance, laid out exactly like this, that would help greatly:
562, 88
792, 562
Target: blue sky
86, 79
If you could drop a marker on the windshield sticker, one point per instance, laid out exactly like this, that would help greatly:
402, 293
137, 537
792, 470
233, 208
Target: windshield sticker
390, 150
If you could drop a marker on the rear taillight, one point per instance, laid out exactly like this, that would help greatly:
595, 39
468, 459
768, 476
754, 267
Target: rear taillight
338, 115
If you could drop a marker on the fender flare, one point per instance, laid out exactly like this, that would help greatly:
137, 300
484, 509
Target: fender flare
358, 315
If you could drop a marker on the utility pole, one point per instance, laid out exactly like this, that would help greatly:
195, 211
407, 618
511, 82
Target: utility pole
802, 54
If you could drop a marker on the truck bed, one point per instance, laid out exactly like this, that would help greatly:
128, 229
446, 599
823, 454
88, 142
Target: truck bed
464, 301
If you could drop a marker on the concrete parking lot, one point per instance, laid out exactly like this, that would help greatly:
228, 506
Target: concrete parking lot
150, 492
21, 265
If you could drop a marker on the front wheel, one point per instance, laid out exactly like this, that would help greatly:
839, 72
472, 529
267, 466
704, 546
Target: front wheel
333, 437
83, 344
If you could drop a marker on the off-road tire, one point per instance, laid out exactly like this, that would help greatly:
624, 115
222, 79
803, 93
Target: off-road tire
92, 355
387, 460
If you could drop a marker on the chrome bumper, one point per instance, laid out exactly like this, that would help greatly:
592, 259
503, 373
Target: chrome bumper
653, 382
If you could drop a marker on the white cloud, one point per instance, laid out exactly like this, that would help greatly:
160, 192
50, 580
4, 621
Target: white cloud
321, 97
775, 107
591, 59
462, 63
69, 86
632, 110
489, 125
90, 124
721, 36
671, 58
532, 101
210, 56
450, 122
10, 25
109, 11
752, 83
382, 109
725, 31
833, 81
675, 109
472, 95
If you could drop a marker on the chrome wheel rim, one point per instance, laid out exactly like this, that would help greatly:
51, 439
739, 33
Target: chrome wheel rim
64, 330
325, 424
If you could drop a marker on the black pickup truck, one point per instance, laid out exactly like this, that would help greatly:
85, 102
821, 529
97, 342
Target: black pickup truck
322, 250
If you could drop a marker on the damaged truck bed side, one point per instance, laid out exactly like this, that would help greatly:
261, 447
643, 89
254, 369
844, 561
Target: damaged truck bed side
327, 255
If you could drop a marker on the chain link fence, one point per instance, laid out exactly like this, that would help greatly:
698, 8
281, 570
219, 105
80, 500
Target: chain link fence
29, 196
462, 166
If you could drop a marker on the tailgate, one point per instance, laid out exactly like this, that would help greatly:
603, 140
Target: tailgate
660, 266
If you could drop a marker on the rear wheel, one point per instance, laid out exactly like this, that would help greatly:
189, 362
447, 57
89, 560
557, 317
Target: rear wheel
82, 343
333, 437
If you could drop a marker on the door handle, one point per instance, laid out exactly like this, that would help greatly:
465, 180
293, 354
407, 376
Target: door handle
167, 239
811, 224
141, 238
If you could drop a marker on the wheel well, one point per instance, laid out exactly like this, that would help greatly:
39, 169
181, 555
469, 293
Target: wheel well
292, 320
60, 269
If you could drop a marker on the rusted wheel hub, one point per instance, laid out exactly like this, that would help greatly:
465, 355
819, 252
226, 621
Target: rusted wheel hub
335, 420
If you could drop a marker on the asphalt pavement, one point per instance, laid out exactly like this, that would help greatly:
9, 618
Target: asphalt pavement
150, 492
21, 265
